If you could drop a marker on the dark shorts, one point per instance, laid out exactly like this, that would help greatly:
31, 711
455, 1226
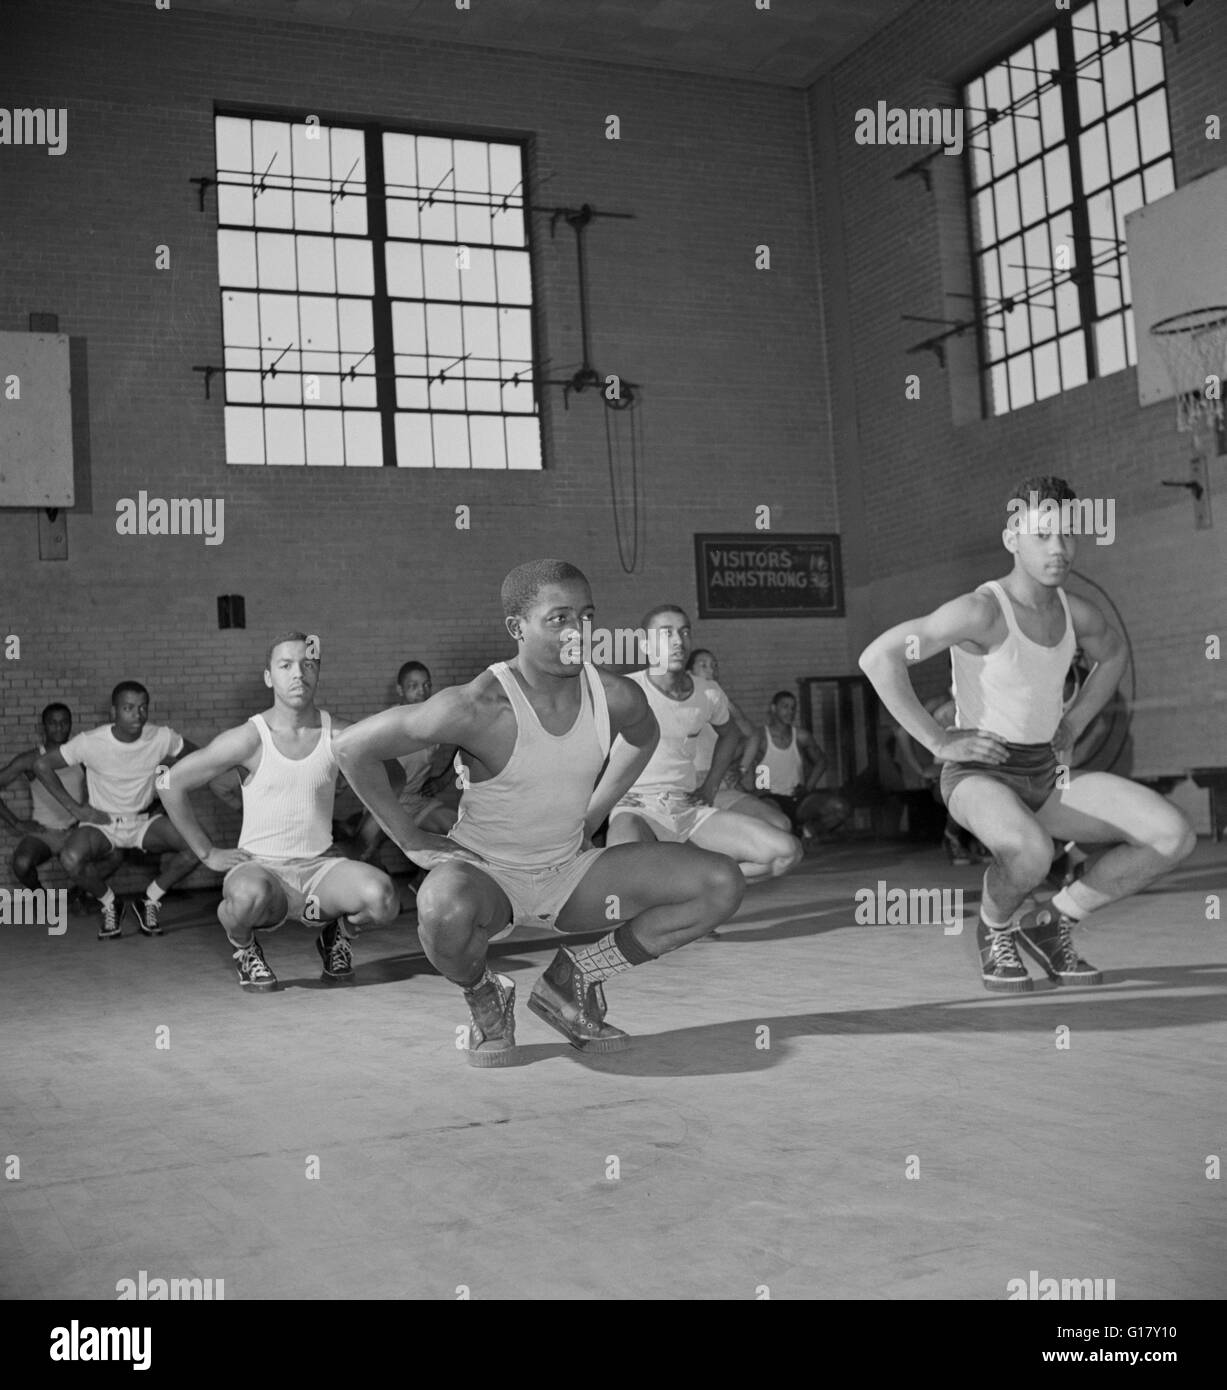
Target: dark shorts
818, 806
1030, 772
787, 804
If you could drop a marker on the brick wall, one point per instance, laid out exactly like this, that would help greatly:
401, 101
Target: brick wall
730, 358
921, 496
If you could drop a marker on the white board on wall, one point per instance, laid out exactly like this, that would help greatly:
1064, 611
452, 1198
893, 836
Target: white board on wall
1177, 262
35, 421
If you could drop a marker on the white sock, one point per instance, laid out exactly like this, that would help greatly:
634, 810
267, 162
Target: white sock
154, 894
108, 898
989, 909
1077, 900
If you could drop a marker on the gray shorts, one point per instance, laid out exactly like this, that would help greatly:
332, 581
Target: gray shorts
537, 896
299, 879
127, 832
671, 814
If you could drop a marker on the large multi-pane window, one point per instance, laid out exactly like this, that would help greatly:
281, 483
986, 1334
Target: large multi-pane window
376, 298
1073, 135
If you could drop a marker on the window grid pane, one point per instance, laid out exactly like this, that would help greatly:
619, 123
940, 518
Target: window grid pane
303, 299
1045, 221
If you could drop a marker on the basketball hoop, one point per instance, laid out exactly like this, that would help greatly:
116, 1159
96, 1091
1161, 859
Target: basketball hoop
1193, 346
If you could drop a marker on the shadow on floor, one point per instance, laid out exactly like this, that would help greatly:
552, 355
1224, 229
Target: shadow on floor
730, 1048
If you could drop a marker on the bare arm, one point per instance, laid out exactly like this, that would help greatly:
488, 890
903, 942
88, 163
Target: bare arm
1104, 645
22, 764
202, 767
45, 769
749, 757
969, 618
363, 748
744, 727
635, 734
226, 787
392, 766
728, 740
814, 758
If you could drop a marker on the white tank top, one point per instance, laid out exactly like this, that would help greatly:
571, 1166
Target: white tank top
1014, 692
704, 750
531, 815
46, 809
784, 765
287, 804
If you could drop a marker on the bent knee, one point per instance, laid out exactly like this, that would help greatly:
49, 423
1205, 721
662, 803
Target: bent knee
789, 857
447, 903
723, 885
1176, 839
1024, 856
380, 899
248, 901
72, 861
770, 845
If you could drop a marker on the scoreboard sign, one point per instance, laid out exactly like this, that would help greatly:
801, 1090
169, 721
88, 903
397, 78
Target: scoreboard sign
761, 575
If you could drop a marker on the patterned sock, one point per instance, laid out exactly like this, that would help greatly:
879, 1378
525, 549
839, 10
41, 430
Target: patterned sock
611, 955
1077, 900
154, 894
484, 976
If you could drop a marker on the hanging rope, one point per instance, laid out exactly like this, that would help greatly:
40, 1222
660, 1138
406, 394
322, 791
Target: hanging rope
612, 445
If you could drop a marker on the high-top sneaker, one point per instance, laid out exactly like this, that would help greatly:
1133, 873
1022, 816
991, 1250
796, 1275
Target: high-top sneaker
563, 999
335, 953
492, 1032
1001, 967
1048, 936
146, 914
253, 968
109, 926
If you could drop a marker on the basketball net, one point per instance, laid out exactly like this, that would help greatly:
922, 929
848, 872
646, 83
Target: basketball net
1194, 347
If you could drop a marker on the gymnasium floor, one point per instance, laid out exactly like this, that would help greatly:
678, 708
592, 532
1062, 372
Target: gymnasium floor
740, 1165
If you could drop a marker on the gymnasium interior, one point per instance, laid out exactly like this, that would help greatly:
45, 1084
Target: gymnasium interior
739, 295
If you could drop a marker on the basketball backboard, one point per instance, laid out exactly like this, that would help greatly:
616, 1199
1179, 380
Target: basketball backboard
1177, 263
